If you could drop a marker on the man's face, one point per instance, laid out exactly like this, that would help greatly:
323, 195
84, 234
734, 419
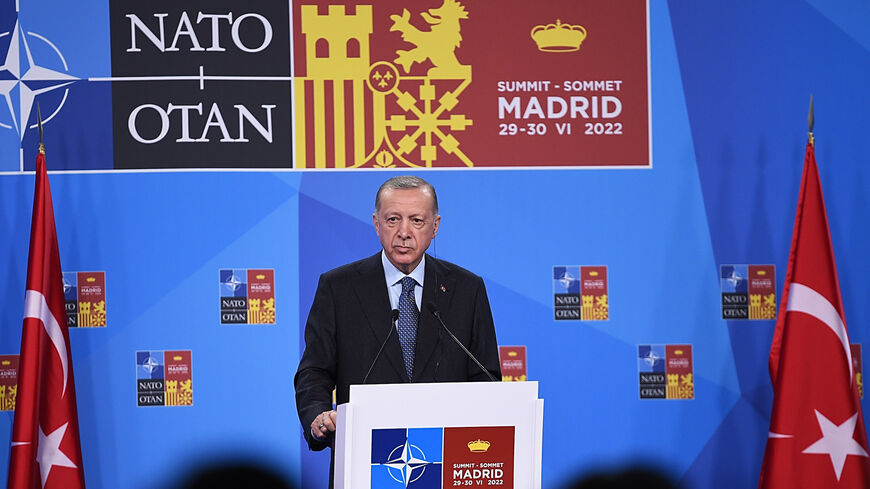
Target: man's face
406, 224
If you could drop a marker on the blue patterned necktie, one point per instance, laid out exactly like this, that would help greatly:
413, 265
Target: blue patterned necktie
407, 324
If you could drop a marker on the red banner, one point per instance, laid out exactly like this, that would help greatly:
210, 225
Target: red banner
471, 83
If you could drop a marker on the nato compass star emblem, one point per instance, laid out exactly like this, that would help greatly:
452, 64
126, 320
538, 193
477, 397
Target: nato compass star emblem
406, 463
734, 278
150, 365
651, 358
23, 77
567, 279
233, 283
66, 286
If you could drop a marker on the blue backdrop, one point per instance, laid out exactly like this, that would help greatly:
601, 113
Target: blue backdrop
730, 86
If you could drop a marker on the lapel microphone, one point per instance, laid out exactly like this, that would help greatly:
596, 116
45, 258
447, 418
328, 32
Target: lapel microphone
394, 316
431, 307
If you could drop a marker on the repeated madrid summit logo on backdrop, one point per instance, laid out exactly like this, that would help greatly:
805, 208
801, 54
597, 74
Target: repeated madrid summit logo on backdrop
513, 363
247, 296
748, 291
85, 299
665, 372
164, 378
580, 293
8, 382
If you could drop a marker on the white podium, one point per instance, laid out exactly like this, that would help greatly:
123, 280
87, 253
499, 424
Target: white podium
443, 435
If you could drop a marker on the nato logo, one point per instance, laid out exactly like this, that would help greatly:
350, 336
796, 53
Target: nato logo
666, 371
234, 296
150, 378
43, 64
71, 298
407, 458
233, 283
748, 291
651, 371
566, 292
149, 364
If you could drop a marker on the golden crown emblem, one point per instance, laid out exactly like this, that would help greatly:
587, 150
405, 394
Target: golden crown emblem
678, 352
177, 358
91, 279
6, 363
260, 276
762, 272
478, 446
593, 273
558, 37
512, 353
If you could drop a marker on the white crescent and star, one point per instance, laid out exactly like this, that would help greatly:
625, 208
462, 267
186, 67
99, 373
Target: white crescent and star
48, 452
804, 299
837, 441
35, 306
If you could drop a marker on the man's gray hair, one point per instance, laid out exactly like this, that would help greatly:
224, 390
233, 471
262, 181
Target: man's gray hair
404, 182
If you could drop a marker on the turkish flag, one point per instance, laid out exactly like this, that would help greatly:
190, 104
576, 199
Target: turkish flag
46, 451
817, 438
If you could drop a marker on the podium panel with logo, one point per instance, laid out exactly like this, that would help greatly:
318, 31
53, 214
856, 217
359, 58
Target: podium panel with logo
444, 435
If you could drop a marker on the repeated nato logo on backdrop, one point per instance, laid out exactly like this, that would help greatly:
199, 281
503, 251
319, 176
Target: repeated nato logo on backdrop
164, 378
580, 293
748, 291
85, 299
665, 372
247, 296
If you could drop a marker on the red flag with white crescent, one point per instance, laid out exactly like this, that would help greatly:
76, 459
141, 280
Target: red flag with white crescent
817, 438
46, 451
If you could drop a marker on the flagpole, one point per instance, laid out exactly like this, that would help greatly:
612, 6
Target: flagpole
39, 122
811, 120
46, 448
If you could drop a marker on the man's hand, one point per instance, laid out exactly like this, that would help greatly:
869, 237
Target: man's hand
323, 424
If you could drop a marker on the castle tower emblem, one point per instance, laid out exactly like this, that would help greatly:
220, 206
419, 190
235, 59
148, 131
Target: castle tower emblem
352, 112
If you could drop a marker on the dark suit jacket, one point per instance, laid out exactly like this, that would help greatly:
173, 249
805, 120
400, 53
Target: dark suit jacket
351, 317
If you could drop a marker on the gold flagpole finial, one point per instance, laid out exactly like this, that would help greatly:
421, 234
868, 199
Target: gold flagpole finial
811, 120
39, 121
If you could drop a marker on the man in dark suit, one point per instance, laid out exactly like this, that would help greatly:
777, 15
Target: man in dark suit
353, 309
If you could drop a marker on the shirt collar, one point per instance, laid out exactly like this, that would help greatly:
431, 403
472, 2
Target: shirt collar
394, 275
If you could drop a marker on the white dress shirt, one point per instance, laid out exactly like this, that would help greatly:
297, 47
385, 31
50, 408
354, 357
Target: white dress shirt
394, 278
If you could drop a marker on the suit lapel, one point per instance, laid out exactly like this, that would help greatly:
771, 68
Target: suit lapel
371, 289
438, 290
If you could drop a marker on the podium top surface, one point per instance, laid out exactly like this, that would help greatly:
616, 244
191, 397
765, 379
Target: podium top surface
469, 392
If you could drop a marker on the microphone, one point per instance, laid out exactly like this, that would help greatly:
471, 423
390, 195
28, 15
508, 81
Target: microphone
394, 316
431, 307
